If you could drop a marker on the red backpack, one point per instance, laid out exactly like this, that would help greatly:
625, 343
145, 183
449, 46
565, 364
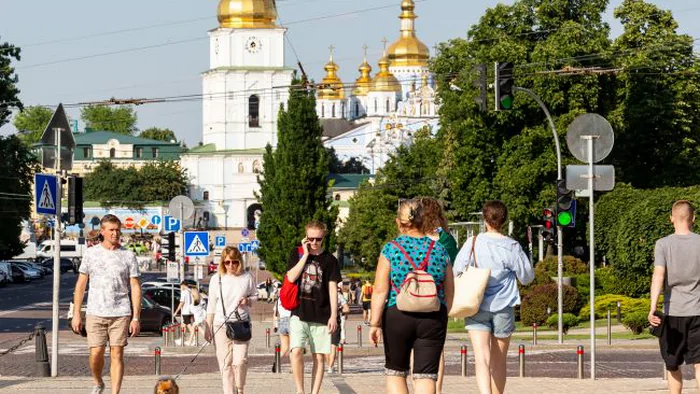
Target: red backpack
289, 294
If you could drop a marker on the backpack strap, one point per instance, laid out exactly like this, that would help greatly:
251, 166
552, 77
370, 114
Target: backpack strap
423, 265
405, 254
426, 260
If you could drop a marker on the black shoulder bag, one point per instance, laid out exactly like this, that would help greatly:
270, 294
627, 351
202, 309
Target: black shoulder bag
238, 330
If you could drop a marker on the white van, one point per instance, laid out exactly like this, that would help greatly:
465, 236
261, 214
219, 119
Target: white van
69, 249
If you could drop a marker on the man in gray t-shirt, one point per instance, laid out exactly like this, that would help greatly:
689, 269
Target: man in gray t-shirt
112, 311
677, 272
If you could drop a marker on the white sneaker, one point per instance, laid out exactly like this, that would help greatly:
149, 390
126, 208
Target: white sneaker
99, 389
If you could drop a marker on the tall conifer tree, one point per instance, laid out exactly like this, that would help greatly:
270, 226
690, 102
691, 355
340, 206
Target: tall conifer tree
294, 182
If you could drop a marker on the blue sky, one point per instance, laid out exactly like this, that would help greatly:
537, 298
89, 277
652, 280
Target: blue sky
163, 45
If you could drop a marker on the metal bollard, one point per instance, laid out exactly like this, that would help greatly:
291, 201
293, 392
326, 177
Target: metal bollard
278, 358
579, 354
463, 359
267, 338
359, 335
340, 358
43, 368
521, 360
609, 332
196, 336
534, 334
157, 355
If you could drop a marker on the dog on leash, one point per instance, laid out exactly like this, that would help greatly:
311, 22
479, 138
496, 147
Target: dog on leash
166, 385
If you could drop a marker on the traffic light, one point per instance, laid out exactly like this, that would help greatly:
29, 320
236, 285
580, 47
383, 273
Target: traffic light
504, 86
482, 86
171, 246
549, 226
566, 205
75, 200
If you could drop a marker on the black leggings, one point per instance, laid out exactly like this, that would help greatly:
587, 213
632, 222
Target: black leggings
422, 333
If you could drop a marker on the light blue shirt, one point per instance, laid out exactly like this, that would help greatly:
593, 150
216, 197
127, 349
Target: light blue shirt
506, 260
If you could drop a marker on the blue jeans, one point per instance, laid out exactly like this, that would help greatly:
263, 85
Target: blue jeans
501, 323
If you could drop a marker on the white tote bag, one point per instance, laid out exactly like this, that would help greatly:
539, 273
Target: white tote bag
470, 285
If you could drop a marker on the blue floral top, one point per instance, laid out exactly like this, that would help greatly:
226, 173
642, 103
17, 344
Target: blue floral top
417, 249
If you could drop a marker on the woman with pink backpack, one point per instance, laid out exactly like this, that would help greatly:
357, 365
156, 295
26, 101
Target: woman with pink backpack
413, 291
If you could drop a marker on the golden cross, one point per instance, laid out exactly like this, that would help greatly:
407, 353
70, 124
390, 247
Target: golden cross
364, 47
384, 40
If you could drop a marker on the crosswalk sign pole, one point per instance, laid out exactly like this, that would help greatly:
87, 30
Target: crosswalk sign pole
56, 260
182, 242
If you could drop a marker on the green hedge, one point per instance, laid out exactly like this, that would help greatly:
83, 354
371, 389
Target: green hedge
628, 305
534, 306
628, 224
568, 320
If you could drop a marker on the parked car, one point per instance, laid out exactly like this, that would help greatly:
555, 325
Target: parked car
28, 266
5, 272
66, 264
18, 275
213, 266
29, 273
153, 316
69, 249
161, 295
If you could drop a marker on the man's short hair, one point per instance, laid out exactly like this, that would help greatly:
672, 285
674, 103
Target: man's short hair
685, 209
109, 218
495, 213
317, 224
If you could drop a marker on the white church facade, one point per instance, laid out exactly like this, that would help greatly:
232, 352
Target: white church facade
247, 82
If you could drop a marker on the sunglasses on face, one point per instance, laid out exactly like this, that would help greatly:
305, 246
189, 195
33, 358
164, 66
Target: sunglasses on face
227, 262
312, 239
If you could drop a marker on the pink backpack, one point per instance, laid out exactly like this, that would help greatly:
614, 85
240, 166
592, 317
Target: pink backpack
418, 292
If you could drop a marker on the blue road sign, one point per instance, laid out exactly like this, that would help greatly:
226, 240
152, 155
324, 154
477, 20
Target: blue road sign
245, 232
196, 243
45, 194
254, 245
220, 241
244, 247
156, 220
171, 224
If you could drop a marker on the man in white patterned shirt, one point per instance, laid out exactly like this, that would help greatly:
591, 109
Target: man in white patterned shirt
111, 313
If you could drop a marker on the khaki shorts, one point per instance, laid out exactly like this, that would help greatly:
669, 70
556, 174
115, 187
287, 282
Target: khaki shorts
315, 334
101, 329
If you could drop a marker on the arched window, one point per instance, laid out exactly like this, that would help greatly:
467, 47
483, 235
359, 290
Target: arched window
375, 105
333, 111
253, 111
240, 168
337, 197
342, 110
112, 153
323, 110
387, 106
357, 109
205, 196
256, 167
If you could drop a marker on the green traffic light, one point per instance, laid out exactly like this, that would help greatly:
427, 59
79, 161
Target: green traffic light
564, 218
507, 102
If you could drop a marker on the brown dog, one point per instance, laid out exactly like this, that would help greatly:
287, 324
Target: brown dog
166, 385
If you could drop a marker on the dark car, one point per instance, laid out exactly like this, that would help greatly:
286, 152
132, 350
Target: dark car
153, 316
161, 295
66, 264
18, 275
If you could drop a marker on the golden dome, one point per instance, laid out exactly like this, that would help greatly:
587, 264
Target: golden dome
364, 82
247, 14
408, 50
332, 87
385, 81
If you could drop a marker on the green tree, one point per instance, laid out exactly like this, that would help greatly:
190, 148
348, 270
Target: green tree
31, 123
410, 172
656, 123
120, 119
155, 181
156, 133
17, 167
294, 182
350, 166
9, 93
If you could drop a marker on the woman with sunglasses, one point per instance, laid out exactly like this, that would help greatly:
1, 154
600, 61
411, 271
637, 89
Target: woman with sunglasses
422, 333
230, 288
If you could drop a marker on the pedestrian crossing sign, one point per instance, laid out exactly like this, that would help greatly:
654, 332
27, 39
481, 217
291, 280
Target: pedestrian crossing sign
45, 194
196, 243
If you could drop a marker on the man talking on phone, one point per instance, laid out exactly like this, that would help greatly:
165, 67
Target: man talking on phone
316, 318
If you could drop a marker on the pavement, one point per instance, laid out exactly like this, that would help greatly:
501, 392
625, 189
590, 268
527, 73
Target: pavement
342, 384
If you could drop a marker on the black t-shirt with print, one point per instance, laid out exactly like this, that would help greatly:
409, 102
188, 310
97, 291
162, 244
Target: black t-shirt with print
319, 270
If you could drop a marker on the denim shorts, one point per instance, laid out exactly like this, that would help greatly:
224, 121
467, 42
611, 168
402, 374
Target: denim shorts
501, 324
283, 328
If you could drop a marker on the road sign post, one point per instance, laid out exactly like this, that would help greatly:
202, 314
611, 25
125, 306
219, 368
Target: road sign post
182, 208
590, 139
